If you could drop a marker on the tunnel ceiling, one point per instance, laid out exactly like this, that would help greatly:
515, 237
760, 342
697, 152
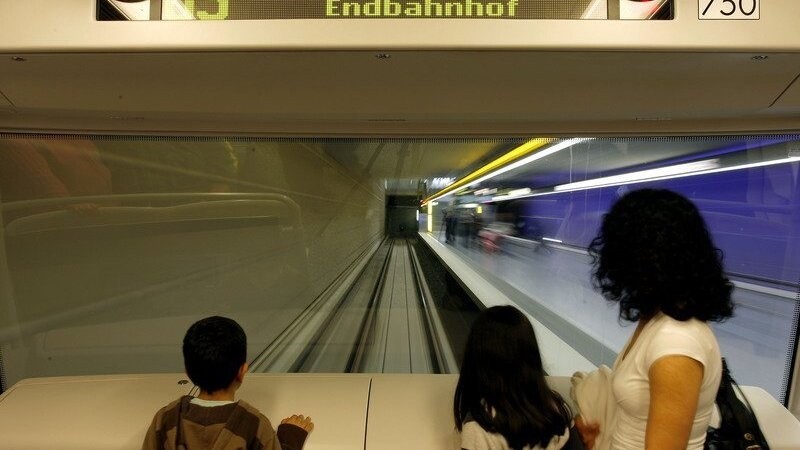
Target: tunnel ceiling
414, 159
399, 165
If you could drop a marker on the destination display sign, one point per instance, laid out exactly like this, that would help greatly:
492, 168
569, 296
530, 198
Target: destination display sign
414, 9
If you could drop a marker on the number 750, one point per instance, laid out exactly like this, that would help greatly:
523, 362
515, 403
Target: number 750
731, 7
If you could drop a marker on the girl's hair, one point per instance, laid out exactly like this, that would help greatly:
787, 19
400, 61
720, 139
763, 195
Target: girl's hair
653, 253
502, 385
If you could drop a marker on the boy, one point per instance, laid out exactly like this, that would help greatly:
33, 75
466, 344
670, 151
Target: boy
214, 355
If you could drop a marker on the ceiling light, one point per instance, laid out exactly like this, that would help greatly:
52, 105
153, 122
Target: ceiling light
534, 157
679, 171
644, 175
518, 192
509, 161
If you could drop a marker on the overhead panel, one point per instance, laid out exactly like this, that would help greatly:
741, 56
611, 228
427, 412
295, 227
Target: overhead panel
789, 100
405, 87
4, 101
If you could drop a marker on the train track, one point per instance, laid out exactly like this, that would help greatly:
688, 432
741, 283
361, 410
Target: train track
383, 321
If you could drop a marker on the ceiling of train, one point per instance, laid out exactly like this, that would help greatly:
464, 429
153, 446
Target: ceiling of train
410, 93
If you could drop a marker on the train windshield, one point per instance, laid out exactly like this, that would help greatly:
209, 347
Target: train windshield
366, 255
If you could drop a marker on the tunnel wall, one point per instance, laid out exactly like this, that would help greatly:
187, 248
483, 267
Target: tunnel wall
111, 285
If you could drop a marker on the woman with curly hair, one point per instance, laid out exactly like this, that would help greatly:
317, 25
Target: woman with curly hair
655, 258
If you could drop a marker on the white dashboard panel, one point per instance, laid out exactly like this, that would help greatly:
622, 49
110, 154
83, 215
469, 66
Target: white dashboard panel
412, 412
111, 412
336, 403
358, 411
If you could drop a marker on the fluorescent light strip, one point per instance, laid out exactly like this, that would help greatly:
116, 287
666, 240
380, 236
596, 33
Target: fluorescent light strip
518, 192
534, 157
651, 174
557, 241
430, 217
527, 160
524, 149
639, 177
604, 182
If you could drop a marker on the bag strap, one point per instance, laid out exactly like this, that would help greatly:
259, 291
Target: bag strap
745, 416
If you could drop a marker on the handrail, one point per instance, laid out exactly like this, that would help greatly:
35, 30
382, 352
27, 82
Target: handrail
22, 205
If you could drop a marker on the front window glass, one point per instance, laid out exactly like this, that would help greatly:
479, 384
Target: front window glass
112, 246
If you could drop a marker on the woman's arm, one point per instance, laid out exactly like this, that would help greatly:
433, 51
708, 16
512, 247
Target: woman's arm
674, 392
588, 432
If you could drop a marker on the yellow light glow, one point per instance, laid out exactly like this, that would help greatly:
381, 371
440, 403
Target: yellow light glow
479, 209
430, 217
517, 153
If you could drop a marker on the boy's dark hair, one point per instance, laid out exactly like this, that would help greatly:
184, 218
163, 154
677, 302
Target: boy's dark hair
214, 349
502, 385
654, 253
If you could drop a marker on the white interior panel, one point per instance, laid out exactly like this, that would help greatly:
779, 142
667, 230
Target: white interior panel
372, 412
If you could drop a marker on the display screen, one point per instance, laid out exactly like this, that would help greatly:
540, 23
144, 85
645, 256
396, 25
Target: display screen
384, 9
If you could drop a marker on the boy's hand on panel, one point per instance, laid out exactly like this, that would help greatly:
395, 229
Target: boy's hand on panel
299, 420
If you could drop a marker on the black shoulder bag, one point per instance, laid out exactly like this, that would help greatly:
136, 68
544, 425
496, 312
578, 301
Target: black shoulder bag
738, 428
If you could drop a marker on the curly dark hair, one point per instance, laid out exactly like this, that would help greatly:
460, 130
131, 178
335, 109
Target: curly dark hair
214, 349
654, 253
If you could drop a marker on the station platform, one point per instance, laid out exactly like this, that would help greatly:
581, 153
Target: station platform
552, 283
354, 411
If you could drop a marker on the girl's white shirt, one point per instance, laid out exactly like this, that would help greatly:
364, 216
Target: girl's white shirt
474, 437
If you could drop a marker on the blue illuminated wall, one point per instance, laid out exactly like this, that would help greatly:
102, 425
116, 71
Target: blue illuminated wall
753, 215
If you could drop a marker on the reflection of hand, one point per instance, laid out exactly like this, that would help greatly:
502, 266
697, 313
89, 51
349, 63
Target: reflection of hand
299, 420
588, 431
83, 208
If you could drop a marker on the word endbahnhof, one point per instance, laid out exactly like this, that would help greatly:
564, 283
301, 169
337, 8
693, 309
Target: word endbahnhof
424, 8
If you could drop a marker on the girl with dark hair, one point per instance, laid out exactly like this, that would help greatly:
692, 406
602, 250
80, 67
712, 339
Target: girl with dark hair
502, 400
655, 257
